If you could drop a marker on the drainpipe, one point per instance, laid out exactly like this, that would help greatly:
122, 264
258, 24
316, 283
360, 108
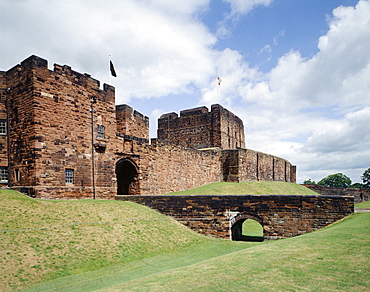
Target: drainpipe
7, 91
93, 101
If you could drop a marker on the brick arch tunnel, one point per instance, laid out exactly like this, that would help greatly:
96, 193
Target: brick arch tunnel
236, 227
222, 216
127, 177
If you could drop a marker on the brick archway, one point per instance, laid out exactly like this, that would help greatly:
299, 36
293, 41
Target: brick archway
236, 227
127, 177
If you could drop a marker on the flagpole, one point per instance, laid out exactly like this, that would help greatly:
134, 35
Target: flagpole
109, 75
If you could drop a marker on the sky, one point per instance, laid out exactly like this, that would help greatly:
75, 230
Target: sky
296, 72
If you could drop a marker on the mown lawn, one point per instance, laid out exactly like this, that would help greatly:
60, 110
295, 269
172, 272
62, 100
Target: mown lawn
86, 245
46, 239
335, 258
249, 188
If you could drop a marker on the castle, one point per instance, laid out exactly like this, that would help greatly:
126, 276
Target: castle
62, 136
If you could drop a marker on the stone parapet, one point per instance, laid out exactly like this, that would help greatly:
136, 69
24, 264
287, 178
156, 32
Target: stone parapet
281, 216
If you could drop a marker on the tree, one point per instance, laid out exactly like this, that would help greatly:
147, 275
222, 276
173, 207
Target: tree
338, 180
366, 178
357, 186
309, 182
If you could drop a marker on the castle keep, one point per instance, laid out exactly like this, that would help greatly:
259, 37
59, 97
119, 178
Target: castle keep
62, 136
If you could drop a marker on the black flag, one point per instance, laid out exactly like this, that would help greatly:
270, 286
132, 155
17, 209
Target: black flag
112, 71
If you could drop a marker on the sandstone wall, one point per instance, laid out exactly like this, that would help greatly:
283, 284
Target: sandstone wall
132, 123
51, 118
170, 168
358, 194
199, 128
248, 165
62, 120
280, 216
3, 117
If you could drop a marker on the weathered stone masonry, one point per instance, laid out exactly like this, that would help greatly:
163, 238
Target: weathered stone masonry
222, 216
62, 136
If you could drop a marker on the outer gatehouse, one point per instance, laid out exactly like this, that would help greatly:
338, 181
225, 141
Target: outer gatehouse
63, 136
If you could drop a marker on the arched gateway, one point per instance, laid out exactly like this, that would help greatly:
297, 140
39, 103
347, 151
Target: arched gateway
237, 224
127, 177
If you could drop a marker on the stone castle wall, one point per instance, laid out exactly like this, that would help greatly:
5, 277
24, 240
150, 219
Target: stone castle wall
3, 118
249, 165
50, 114
61, 120
359, 195
131, 122
281, 216
199, 128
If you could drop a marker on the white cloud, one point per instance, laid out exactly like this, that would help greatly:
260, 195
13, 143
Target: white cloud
158, 47
312, 111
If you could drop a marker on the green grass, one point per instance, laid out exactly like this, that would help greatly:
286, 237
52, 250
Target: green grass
363, 205
335, 258
249, 188
252, 228
103, 245
85, 235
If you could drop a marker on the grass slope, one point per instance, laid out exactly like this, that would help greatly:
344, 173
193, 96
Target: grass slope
249, 188
85, 235
122, 246
335, 258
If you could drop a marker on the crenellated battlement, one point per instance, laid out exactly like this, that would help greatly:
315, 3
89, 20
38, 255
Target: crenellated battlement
201, 128
68, 139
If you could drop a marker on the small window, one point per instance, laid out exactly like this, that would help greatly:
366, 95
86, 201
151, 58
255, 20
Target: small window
101, 130
2, 127
69, 176
3, 174
17, 175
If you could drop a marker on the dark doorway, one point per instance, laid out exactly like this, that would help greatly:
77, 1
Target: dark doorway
247, 230
127, 178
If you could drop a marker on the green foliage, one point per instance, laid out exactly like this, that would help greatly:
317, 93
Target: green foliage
309, 182
366, 178
357, 186
338, 180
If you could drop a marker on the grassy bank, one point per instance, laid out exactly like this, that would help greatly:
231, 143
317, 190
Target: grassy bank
332, 259
41, 240
85, 245
249, 188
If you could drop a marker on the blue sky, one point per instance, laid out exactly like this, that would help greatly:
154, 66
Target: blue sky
295, 71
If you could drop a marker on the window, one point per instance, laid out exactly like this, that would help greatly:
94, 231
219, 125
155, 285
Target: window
69, 176
17, 175
2, 127
101, 131
3, 174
